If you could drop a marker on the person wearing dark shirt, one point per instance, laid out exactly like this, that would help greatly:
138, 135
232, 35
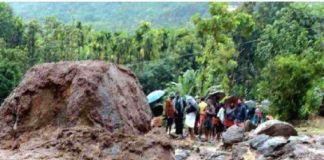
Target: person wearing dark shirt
240, 113
179, 106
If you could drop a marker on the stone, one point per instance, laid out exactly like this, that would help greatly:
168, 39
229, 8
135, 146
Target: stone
284, 151
258, 141
181, 154
67, 94
271, 145
276, 128
305, 151
232, 135
195, 148
218, 157
300, 139
242, 151
319, 140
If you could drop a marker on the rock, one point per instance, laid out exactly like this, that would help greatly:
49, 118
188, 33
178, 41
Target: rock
271, 145
195, 148
304, 151
298, 150
257, 141
319, 140
234, 134
261, 157
212, 152
216, 157
241, 151
286, 150
88, 109
300, 139
275, 128
181, 154
67, 94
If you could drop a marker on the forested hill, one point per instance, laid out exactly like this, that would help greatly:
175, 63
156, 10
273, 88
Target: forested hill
259, 51
114, 16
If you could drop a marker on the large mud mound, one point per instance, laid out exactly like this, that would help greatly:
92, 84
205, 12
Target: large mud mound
67, 94
58, 97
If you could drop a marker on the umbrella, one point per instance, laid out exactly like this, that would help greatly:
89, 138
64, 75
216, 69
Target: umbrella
155, 95
250, 103
217, 95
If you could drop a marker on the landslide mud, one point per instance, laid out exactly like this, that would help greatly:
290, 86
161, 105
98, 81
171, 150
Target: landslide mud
79, 110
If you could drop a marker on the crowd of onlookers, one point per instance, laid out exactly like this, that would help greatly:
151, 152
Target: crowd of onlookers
206, 118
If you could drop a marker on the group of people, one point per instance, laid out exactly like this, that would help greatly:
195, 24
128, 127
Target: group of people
207, 117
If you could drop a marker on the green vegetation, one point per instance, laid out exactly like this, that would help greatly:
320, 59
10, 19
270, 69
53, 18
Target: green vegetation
258, 51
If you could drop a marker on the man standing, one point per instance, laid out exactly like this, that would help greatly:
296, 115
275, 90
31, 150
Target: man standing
240, 113
229, 116
202, 111
192, 108
179, 105
210, 113
169, 112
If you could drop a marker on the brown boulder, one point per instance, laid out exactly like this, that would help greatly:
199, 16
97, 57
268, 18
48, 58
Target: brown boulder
79, 110
67, 94
275, 128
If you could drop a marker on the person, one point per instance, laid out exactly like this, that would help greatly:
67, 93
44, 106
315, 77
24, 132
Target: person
240, 113
215, 119
215, 122
191, 116
250, 113
258, 115
220, 126
210, 113
179, 105
202, 115
220, 113
229, 115
169, 112
196, 129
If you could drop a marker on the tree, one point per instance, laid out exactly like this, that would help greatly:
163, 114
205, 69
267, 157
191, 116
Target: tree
155, 75
31, 37
247, 72
11, 26
283, 38
219, 56
13, 63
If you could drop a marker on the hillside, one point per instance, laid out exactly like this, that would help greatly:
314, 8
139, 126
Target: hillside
113, 16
